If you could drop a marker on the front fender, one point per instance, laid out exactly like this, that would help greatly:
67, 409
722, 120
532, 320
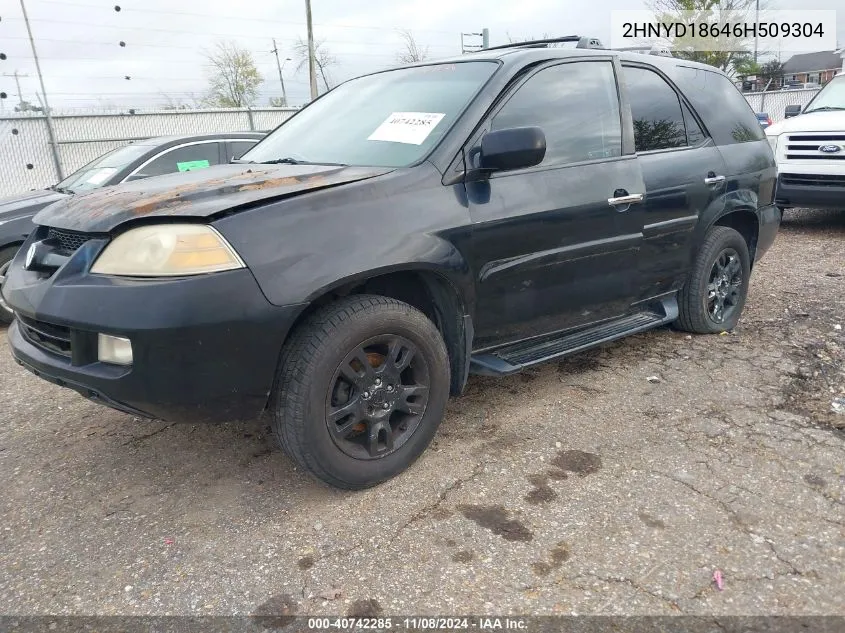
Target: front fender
301, 248
15, 230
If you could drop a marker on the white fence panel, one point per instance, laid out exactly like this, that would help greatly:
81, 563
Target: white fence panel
775, 101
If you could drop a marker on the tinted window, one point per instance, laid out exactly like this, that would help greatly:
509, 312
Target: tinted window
656, 110
186, 158
725, 112
389, 119
577, 107
695, 134
98, 172
239, 148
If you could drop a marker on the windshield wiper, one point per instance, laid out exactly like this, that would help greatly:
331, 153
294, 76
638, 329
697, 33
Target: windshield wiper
58, 189
294, 161
824, 109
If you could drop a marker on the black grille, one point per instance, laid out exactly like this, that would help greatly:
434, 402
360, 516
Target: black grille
817, 137
815, 180
54, 338
67, 241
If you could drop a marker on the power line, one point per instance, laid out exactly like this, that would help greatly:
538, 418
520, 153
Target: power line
241, 18
189, 47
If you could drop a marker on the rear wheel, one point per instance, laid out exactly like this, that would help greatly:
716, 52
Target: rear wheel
362, 388
714, 294
6, 257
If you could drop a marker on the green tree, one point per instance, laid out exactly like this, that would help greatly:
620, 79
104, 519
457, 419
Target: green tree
732, 49
745, 66
772, 70
233, 77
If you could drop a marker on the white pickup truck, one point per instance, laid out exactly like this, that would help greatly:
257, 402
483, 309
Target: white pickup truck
810, 150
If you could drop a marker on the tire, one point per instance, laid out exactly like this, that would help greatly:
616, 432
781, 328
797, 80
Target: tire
715, 271
321, 380
6, 257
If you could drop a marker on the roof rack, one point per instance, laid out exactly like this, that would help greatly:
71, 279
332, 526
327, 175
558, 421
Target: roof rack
583, 42
661, 50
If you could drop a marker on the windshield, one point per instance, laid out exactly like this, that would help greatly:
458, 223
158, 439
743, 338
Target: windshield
98, 171
390, 119
831, 97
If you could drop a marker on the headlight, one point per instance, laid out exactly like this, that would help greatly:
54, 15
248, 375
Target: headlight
167, 250
773, 141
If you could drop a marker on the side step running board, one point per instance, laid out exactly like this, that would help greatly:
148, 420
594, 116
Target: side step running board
517, 356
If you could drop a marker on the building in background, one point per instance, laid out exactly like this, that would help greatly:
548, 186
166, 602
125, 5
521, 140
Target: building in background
815, 68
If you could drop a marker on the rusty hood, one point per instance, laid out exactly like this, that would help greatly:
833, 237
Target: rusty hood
201, 193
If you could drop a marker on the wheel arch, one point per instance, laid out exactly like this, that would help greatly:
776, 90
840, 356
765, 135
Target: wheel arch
442, 296
745, 222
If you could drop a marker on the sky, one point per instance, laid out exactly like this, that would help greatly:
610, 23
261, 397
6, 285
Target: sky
165, 42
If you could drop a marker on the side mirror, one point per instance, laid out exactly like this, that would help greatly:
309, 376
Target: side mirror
513, 148
792, 110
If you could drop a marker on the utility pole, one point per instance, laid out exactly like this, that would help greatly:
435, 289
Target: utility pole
756, 20
50, 130
471, 48
280, 67
312, 62
17, 77
485, 38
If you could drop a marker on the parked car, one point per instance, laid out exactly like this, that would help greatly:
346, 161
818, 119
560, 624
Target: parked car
146, 158
764, 119
810, 150
403, 230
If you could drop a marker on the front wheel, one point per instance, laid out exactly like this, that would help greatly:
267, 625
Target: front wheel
712, 299
6, 257
362, 388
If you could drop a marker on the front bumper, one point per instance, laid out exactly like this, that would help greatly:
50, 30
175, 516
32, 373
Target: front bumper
205, 348
819, 191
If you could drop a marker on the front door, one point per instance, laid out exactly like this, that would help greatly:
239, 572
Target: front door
555, 246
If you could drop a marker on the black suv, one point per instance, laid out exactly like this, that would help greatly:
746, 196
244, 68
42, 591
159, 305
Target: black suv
480, 214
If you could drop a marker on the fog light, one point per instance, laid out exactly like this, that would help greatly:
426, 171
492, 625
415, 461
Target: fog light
114, 349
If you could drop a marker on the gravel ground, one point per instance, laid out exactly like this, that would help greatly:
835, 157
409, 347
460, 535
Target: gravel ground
578, 487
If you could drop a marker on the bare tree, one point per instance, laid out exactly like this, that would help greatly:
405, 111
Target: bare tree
411, 51
519, 40
322, 57
188, 101
233, 77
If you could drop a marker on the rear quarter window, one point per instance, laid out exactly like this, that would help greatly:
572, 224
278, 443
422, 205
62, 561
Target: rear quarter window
725, 112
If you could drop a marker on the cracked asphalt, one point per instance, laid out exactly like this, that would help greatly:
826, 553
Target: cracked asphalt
614, 482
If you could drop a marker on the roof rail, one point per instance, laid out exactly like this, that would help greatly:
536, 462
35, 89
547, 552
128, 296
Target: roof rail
661, 50
583, 42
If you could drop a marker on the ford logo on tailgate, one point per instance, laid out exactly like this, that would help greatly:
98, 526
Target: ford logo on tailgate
830, 149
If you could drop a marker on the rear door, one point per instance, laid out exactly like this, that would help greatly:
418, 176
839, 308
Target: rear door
185, 157
549, 249
684, 174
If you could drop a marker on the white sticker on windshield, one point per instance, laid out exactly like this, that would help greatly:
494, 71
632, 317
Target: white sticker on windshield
407, 127
100, 176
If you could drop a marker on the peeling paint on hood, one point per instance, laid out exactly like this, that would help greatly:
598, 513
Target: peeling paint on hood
201, 193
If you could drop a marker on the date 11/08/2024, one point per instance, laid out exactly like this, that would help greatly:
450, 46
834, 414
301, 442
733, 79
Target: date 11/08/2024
418, 624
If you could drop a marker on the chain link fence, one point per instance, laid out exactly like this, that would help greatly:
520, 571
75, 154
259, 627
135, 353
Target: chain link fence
26, 160
26, 154
774, 102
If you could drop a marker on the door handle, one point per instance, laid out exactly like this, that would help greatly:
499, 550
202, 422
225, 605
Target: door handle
713, 179
631, 198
